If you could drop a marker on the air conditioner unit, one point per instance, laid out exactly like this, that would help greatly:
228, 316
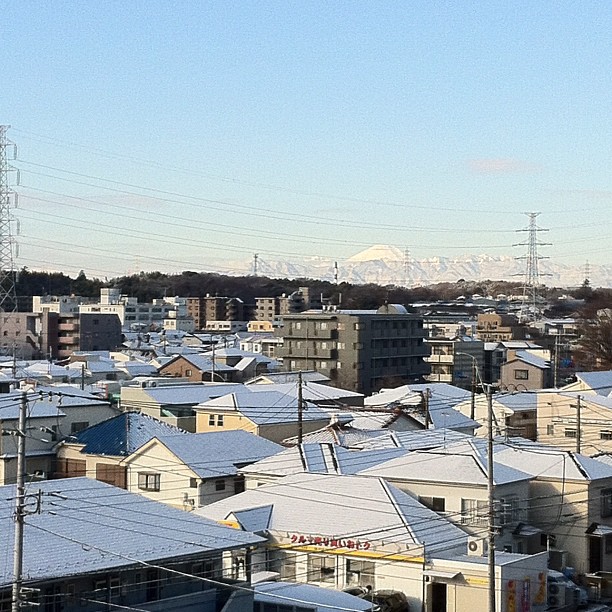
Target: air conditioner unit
477, 547
40, 475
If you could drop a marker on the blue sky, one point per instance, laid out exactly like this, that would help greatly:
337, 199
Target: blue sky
189, 135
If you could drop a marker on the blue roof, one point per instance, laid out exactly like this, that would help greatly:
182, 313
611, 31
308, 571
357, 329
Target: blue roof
254, 519
600, 382
219, 453
10, 404
123, 434
96, 527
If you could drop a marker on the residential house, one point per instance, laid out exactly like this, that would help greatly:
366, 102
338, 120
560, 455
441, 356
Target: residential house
526, 370
168, 400
92, 546
194, 470
570, 501
271, 415
360, 350
54, 413
198, 368
348, 531
99, 451
453, 481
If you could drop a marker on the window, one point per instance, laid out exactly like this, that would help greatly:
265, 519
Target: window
78, 426
323, 325
220, 484
321, 568
188, 372
606, 502
437, 504
148, 481
570, 433
550, 430
219, 420
521, 374
287, 567
193, 483
211, 420
509, 511
605, 434
474, 512
359, 573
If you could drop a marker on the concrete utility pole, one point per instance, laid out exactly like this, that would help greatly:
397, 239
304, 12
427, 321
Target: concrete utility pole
578, 423
300, 399
491, 500
20, 512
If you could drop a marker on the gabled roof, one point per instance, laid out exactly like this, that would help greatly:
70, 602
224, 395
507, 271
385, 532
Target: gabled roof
288, 377
419, 439
188, 394
462, 463
123, 434
201, 362
547, 462
301, 503
219, 453
312, 391
322, 458
95, 527
530, 359
264, 407
10, 404
600, 382
254, 519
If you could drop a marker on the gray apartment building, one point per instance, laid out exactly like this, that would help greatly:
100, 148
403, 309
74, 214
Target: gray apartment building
360, 350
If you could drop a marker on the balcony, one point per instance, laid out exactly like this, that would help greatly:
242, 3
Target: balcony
442, 378
440, 359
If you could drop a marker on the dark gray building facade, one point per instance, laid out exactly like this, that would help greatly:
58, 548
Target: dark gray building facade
360, 350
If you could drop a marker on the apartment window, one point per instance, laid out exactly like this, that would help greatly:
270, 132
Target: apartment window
321, 568
297, 325
323, 365
521, 374
341, 345
550, 430
474, 512
605, 434
606, 502
510, 510
220, 484
149, 481
358, 326
570, 433
437, 504
323, 325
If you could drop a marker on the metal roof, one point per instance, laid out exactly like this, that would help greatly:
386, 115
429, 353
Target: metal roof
351, 506
95, 527
123, 434
219, 453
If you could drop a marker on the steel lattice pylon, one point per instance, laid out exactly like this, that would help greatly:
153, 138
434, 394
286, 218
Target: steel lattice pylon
8, 298
530, 303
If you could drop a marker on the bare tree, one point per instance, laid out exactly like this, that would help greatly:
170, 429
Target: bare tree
595, 344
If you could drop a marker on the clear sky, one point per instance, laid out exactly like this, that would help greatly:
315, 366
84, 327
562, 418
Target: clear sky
190, 134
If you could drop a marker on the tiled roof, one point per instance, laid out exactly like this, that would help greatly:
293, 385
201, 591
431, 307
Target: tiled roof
361, 506
10, 404
95, 527
314, 392
218, 453
123, 434
190, 394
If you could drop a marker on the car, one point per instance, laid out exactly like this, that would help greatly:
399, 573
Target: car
384, 600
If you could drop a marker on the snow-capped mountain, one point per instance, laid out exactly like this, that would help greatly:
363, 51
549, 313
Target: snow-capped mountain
387, 265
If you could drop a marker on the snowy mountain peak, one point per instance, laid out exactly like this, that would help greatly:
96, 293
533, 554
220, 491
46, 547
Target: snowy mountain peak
378, 252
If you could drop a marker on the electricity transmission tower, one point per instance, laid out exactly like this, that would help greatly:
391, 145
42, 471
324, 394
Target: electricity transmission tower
8, 297
530, 302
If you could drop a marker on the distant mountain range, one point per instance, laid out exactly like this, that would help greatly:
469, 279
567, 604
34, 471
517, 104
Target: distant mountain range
387, 265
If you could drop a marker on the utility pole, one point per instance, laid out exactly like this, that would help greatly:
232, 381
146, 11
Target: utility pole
578, 423
20, 512
491, 513
473, 401
556, 361
426, 397
255, 261
212, 363
300, 399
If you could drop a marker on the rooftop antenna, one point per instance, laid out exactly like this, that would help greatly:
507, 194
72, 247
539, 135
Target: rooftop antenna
8, 246
531, 283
